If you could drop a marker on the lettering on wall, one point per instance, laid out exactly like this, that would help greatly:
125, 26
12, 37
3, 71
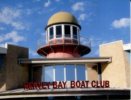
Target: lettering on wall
66, 85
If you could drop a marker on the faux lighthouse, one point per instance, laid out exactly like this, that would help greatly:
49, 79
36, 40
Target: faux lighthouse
63, 38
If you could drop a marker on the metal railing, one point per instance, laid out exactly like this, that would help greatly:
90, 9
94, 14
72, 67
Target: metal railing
80, 40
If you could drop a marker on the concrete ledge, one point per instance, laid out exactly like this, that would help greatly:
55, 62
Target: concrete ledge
21, 93
74, 60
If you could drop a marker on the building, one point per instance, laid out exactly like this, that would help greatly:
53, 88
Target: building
63, 73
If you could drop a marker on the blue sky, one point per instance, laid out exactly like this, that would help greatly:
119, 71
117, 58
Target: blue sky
22, 22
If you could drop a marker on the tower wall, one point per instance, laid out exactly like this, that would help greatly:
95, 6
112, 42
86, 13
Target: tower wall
62, 55
12, 74
16, 75
116, 72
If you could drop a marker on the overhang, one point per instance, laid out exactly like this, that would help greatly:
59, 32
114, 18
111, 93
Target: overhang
58, 60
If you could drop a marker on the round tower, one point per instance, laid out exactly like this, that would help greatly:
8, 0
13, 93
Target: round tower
63, 37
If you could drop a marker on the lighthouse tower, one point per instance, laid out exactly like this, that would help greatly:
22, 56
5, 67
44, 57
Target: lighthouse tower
63, 38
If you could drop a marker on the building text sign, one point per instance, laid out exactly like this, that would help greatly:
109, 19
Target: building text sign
66, 84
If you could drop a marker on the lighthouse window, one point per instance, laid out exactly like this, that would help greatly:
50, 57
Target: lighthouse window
51, 32
58, 31
74, 32
80, 72
67, 31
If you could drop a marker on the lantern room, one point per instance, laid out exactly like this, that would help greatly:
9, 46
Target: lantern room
63, 38
62, 27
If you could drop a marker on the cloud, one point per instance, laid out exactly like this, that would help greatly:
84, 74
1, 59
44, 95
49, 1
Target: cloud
10, 17
47, 4
78, 6
13, 36
82, 17
85, 41
121, 23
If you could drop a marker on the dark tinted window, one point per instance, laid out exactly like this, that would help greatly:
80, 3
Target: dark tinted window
1, 60
58, 31
67, 31
51, 32
74, 32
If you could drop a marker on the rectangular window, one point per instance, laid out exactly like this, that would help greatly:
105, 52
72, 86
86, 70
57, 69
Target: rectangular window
51, 32
58, 31
70, 72
59, 73
2, 59
47, 74
67, 31
74, 32
80, 72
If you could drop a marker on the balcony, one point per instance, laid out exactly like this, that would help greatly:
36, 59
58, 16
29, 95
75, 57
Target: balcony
66, 40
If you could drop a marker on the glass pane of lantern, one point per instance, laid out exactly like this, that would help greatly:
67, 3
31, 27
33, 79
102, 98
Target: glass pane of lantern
51, 32
58, 31
67, 31
74, 32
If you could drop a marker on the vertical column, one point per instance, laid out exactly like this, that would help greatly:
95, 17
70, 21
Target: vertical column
54, 29
71, 32
63, 30
75, 73
86, 72
99, 71
78, 35
54, 73
64, 72
48, 35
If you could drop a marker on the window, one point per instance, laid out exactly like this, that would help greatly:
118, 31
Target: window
74, 32
59, 73
67, 72
70, 72
2, 59
67, 31
58, 31
51, 32
80, 72
47, 74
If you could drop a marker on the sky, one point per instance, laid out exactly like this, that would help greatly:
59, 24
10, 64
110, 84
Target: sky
23, 22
